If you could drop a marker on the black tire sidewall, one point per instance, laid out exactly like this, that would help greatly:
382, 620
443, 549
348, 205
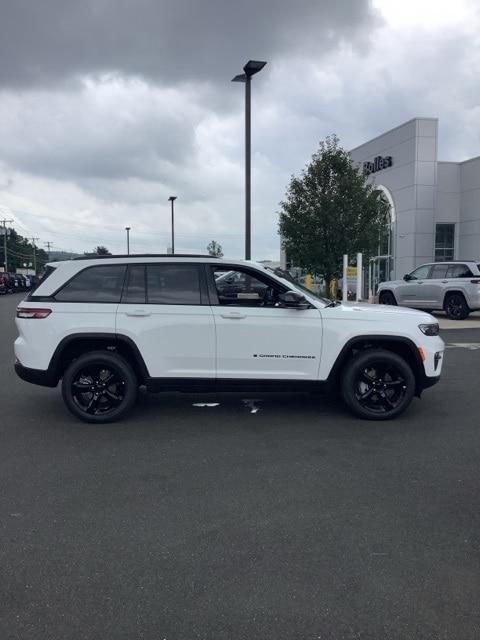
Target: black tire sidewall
465, 311
359, 362
108, 359
389, 296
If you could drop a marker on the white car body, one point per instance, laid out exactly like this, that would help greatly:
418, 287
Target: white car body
209, 342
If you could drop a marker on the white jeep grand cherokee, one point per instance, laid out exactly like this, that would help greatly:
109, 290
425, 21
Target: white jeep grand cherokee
106, 326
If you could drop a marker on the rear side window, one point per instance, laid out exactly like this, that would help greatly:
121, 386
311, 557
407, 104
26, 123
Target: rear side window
94, 284
134, 291
459, 271
439, 271
173, 284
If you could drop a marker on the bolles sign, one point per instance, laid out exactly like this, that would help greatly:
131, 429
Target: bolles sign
378, 164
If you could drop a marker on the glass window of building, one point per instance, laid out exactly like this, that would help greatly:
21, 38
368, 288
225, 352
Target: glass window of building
444, 242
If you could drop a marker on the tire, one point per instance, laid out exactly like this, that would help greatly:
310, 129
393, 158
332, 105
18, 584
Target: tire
88, 395
455, 306
377, 384
387, 297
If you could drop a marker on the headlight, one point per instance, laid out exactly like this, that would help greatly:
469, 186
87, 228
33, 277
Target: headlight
429, 329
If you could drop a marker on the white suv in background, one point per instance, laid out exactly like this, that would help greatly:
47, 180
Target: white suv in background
106, 326
451, 286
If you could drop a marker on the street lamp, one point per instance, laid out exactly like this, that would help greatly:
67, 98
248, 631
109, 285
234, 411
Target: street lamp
127, 229
251, 68
172, 200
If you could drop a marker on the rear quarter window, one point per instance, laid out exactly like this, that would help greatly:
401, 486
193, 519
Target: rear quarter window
94, 284
459, 271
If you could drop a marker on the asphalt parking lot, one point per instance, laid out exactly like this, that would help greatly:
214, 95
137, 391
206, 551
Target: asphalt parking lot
263, 517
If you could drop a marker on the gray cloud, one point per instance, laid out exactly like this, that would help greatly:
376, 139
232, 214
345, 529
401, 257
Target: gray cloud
50, 41
107, 108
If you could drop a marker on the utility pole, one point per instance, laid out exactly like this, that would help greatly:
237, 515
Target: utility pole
4, 225
34, 254
49, 246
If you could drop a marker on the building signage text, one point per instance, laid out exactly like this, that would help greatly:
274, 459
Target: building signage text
378, 164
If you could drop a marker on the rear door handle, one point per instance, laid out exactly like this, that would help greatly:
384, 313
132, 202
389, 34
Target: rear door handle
444, 281
233, 315
141, 313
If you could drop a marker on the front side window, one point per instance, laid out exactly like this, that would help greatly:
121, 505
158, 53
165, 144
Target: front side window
459, 271
242, 288
173, 284
444, 242
421, 273
94, 284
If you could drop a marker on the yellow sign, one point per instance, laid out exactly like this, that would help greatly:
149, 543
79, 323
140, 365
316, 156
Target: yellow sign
351, 272
308, 281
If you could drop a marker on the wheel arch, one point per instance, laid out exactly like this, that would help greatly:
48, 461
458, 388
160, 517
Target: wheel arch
456, 290
391, 291
76, 344
400, 345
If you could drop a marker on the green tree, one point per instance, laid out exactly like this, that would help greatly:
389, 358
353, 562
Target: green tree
101, 251
331, 209
21, 253
215, 249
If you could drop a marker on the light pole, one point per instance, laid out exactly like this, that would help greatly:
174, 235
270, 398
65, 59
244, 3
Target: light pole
127, 229
172, 200
251, 68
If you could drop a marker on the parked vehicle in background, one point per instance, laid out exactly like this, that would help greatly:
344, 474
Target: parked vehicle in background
17, 282
4, 288
453, 287
196, 323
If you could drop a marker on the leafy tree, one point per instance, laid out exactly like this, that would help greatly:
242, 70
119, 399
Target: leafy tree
331, 209
101, 251
215, 249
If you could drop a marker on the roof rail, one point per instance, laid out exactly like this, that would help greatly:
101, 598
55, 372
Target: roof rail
94, 256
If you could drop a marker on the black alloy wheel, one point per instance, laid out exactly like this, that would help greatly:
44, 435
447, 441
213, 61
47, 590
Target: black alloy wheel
99, 387
456, 307
387, 298
378, 384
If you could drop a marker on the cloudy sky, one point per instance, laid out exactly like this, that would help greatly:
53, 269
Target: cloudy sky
107, 107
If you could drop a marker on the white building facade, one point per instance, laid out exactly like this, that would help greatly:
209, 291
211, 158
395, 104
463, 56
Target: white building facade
435, 205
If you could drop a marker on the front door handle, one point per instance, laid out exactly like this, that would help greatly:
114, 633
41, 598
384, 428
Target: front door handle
233, 315
444, 281
141, 313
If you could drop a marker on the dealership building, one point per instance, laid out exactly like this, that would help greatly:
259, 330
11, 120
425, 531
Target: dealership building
434, 205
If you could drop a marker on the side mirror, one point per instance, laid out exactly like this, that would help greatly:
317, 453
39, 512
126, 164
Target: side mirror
407, 277
293, 300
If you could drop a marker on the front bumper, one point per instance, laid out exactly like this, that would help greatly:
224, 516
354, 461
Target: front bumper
44, 378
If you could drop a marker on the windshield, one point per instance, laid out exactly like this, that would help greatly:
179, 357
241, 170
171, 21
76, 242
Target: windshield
284, 275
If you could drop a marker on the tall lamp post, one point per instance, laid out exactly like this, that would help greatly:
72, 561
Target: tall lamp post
251, 68
172, 200
127, 229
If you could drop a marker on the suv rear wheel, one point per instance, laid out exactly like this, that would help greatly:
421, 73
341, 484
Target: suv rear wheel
99, 387
377, 384
455, 306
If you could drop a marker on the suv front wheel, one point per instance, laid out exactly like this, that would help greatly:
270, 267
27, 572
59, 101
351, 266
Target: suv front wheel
99, 387
387, 297
377, 384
